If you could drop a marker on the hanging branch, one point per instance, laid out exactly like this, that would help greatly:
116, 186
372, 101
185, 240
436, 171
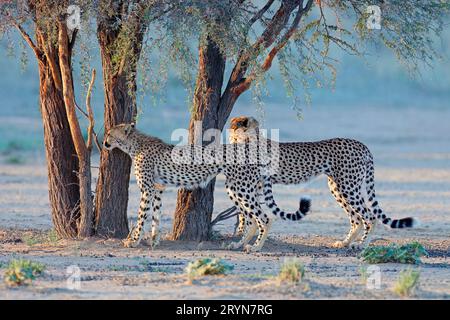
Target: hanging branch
28, 39
37, 52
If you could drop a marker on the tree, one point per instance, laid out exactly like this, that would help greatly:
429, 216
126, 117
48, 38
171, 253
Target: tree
121, 25
194, 208
62, 163
120, 29
213, 107
299, 32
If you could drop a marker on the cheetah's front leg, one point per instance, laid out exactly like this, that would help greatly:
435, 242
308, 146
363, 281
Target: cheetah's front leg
241, 228
152, 237
147, 197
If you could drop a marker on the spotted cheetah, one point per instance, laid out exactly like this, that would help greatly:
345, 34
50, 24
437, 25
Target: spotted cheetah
347, 163
158, 164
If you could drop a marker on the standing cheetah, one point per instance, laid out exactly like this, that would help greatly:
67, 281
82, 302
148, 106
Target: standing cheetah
347, 163
158, 164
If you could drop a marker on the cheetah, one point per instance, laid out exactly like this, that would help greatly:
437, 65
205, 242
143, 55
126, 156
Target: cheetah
158, 164
347, 163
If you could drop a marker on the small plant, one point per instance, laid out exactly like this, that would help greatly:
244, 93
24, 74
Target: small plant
407, 282
207, 266
31, 239
292, 270
364, 274
407, 253
20, 272
52, 236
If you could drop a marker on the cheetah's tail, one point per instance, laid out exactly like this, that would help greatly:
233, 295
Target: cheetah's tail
389, 222
401, 223
304, 205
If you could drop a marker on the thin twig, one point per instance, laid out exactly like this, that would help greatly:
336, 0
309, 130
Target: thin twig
90, 112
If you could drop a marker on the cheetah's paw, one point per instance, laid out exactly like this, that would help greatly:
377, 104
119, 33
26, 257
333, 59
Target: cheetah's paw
249, 248
129, 243
155, 241
339, 244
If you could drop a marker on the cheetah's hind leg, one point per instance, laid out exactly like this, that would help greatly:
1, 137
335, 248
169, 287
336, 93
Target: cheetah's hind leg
249, 231
353, 216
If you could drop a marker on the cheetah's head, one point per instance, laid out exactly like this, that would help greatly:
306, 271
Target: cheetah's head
117, 136
243, 129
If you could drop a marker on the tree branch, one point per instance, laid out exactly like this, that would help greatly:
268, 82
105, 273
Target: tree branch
56, 74
72, 40
258, 15
267, 40
28, 39
90, 113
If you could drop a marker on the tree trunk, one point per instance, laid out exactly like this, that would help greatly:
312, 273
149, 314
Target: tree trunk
111, 199
85, 223
62, 163
119, 77
194, 208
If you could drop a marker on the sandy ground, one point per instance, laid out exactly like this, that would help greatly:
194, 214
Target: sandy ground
412, 179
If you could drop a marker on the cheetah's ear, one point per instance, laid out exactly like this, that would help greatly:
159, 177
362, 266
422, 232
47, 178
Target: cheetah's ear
244, 123
133, 125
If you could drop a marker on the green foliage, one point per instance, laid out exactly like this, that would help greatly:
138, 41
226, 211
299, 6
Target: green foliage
407, 253
20, 272
31, 239
292, 271
207, 266
52, 236
407, 282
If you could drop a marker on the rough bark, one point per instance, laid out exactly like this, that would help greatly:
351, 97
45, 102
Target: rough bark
194, 208
119, 85
62, 163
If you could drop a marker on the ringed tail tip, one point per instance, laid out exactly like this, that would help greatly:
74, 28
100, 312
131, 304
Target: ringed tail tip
305, 204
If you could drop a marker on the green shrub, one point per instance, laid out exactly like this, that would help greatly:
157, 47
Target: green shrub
52, 236
407, 253
292, 270
207, 266
20, 272
407, 282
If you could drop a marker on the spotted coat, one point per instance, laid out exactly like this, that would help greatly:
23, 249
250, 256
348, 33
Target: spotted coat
348, 164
